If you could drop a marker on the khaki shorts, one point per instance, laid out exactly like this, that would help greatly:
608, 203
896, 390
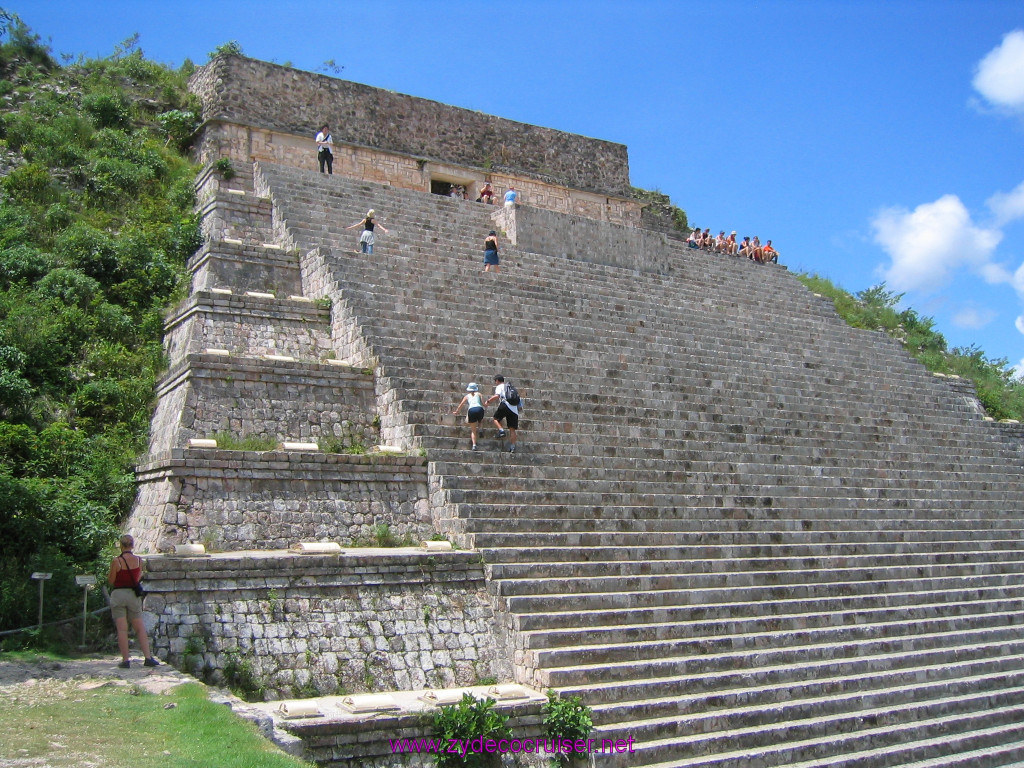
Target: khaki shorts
125, 604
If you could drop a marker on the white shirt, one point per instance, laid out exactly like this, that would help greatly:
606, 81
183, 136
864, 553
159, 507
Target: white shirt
500, 392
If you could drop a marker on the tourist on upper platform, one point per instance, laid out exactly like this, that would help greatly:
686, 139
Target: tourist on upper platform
124, 579
324, 145
706, 241
511, 197
693, 241
731, 247
474, 403
769, 254
491, 252
721, 243
746, 248
507, 410
366, 239
458, 192
486, 194
756, 253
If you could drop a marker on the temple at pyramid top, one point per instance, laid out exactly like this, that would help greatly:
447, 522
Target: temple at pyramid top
254, 110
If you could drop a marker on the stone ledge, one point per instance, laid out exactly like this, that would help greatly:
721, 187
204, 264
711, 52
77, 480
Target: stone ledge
285, 308
274, 371
269, 464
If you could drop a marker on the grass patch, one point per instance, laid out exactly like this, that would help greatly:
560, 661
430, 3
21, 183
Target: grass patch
245, 443
118, 726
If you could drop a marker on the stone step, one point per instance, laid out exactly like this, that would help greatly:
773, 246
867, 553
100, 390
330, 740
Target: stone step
762, 567
840, 547
803, 702
922, 736
743, 577
738, 609
846, 638
772, 595
755, 632
709, 516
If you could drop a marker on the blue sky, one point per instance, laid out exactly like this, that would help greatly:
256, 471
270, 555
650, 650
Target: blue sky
870, 140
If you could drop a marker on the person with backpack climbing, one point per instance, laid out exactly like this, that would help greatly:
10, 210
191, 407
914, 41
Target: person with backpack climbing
473, 401
509, 407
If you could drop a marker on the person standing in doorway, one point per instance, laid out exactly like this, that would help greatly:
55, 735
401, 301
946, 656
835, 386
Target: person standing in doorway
366, 239
324, 145
125, 604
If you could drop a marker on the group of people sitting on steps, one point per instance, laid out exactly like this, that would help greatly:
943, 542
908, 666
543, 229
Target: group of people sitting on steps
510, 405
752, 249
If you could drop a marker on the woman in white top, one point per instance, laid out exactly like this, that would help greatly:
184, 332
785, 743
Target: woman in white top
475, 413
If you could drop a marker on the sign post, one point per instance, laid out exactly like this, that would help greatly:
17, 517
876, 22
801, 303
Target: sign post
86, 583
41, 578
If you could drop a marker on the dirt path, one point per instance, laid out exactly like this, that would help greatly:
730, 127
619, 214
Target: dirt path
102, 669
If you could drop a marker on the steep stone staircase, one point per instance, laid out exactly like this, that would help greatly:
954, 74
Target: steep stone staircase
744, 533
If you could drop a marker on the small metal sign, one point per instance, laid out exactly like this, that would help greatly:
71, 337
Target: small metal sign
40, 576
85, 581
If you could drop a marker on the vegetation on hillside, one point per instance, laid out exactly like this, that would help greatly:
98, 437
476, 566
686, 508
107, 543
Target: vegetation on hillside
875, 308
96, 222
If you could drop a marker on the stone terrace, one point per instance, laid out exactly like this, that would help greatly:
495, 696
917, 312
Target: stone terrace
745, 533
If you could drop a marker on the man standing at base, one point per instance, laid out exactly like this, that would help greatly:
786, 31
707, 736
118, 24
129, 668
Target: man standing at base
508, 409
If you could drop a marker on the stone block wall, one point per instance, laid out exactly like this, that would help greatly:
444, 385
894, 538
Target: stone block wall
249, 327
290, 625
242, 500
245, 91
245, 267
209, 395
538, 230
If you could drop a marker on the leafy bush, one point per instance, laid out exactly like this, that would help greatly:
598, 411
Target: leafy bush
230, 48
108, 110
567, 719
470, 721
225, 168
179, 124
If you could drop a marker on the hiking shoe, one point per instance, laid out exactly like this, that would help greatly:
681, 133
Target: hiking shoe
151, 662
474, 447
501, 433
125, 664
512, 449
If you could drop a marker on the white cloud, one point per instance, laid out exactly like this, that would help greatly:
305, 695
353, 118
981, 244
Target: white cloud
1018, 285
1000, 75
973, 318
929, 243
1007, 206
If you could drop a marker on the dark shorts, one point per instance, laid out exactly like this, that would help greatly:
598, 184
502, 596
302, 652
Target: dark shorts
475, 415
491, 257
510, 416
